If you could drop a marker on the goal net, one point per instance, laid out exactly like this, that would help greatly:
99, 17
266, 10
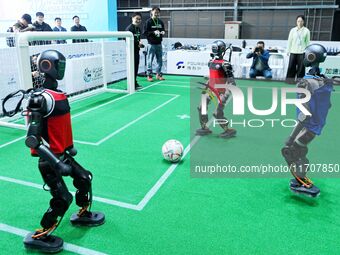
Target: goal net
96, 62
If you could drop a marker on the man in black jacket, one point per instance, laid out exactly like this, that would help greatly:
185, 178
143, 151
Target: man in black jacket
134, 28
154, 31
41, 26
79, 28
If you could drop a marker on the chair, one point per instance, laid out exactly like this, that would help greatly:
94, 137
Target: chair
244, 64
277, 64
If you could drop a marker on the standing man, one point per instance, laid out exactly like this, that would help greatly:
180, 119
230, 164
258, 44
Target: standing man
154, 31
41, 26
298, 40
59, 28
78, 28
134, 28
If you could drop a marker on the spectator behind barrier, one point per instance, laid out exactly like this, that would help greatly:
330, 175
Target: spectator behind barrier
41, 26
78, 28
59, 28
22, 25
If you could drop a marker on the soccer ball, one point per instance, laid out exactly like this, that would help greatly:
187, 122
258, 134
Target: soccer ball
172, 151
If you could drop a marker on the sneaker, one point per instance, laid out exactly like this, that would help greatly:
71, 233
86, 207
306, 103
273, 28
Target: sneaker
149, 78
159, 77
137, 86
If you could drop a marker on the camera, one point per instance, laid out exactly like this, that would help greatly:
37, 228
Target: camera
258, 49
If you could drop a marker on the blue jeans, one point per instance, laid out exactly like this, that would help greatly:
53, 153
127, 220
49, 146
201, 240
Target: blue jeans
155, 50
266, 73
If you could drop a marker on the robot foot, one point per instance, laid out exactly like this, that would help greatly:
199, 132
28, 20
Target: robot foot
203, 131
87, 218
298, 188
45, 243
228, 133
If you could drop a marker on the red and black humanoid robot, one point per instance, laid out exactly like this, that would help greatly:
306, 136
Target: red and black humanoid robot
50, 138
220, 73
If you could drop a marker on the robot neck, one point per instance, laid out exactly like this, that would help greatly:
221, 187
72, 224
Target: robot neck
315, 70
50, 83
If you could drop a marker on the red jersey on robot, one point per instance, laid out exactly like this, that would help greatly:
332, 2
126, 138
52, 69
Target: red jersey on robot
217, 74
56, 126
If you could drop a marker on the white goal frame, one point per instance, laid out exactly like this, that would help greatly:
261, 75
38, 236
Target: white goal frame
25, 77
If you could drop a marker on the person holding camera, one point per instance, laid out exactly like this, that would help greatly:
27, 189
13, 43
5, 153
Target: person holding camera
24, 24
260, 65
154, 31
134, 28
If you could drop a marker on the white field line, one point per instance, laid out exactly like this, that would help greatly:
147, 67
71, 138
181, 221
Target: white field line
134, 121
13, 141
112, 101
95, 198
170, 170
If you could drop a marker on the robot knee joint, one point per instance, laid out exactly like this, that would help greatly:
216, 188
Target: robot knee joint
289, 153
83, 181
61, 204
219, 112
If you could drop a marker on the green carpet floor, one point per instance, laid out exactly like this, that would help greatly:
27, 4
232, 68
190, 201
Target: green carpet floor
119, 139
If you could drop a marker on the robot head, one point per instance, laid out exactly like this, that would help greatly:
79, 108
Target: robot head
314, 54
218, 48
52, 63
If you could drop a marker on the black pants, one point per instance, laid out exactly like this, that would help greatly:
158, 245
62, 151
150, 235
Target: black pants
136, 58
295, 67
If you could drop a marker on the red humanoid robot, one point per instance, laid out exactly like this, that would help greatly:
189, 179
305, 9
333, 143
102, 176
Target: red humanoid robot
220, 73
50, 138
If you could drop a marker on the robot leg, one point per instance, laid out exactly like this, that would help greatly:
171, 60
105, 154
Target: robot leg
82, 180
203, 118
295, 155
223, 122
42, 240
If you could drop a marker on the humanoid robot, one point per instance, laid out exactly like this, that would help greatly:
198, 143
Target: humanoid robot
220, 72
49, 137
296, 147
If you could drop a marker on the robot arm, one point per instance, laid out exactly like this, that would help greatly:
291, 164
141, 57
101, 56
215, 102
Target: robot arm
38, 107
305, 84
228, 70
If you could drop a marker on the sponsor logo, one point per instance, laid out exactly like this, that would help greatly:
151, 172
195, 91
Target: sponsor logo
92, 74
180, 65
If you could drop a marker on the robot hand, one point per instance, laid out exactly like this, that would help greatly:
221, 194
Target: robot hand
72, 151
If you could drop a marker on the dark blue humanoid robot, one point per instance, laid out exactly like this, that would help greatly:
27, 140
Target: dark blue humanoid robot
296, 147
